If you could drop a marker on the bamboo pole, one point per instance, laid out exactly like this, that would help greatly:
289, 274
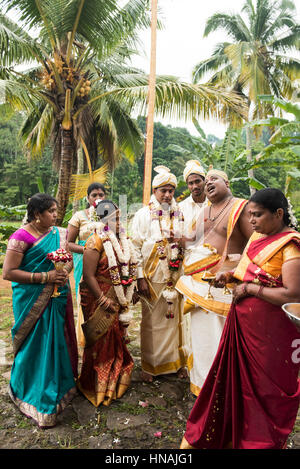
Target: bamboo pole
151, 105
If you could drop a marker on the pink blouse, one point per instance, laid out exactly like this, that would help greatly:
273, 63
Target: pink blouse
20, 241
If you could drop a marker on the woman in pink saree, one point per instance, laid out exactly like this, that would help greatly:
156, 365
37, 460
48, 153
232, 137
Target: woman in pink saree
251, 395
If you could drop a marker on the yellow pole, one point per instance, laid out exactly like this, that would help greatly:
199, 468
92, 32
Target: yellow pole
151, 103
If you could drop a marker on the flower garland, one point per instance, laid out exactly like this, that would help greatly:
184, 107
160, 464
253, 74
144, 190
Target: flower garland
161, 224
293, 219
125, 283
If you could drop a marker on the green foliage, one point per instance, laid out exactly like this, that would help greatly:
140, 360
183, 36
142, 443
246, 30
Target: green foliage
7, 228
19, 177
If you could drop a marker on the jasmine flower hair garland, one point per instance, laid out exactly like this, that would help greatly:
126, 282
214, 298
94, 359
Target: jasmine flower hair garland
125, 283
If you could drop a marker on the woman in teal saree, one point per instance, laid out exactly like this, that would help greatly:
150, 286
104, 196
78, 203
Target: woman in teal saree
44, 341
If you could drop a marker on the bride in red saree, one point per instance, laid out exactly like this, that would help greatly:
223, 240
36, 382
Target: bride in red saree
251, 395
106, 294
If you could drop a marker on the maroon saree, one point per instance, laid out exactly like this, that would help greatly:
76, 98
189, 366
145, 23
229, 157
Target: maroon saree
251, 395
107, 364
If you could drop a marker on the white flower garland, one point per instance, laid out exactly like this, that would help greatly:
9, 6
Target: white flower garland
162, 221
123, 285
293, 219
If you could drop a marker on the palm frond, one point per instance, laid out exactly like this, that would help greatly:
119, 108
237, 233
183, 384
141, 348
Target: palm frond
80, 182
185, 101
232, 24
217, 60
36, 130
16, 46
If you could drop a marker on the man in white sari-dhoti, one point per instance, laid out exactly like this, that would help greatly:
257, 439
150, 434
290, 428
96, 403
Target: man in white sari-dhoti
155, 228
222, 233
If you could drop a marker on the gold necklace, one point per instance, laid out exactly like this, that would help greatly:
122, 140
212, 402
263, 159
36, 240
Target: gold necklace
37, 231
221, 211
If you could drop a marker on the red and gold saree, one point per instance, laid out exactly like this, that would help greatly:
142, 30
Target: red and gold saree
107, 364
251, 395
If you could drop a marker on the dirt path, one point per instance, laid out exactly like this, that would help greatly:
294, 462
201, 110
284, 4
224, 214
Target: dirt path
149, 416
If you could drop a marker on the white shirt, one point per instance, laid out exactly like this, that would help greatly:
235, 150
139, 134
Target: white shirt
193, 215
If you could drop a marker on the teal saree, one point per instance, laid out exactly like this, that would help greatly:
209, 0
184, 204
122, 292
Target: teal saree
42, 378
77, 259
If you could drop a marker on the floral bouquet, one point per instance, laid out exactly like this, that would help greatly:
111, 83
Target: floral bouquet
59, 258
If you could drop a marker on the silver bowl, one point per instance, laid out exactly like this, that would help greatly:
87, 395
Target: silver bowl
292, 310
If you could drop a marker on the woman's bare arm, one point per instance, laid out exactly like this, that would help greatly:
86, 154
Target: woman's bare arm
288, 293
90, 262
73, 233
12, 272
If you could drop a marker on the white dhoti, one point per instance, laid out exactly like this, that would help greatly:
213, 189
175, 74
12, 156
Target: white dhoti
208, 312
161, 338
206, 331
207, 316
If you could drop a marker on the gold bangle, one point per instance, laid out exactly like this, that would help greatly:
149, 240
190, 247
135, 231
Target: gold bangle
47, 277
32, 277
43, 279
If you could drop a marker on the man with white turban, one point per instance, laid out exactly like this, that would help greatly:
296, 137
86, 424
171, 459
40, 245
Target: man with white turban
191, 207
194, 176
220, 239
156, 229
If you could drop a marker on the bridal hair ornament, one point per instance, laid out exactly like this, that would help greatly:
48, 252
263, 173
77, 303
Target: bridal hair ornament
25, 219
293, 220
93, 224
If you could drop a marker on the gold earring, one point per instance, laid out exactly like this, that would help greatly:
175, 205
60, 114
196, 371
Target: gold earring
37, 220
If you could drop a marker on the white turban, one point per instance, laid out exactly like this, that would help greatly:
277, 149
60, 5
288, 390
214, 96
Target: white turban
163, 177
217, 172
193, 167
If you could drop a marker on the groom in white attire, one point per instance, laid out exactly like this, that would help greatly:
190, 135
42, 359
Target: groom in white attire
155, 230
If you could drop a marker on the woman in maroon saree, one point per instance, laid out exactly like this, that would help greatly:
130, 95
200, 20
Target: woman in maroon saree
251, 395
107, 364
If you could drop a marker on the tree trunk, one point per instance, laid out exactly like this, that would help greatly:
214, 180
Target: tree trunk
151, 105
65, 173
79, 171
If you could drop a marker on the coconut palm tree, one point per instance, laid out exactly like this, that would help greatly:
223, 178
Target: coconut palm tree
259, 59
80, 88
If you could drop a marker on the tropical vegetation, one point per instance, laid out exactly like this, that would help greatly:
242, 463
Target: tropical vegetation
259, 60
68, 88
78, 88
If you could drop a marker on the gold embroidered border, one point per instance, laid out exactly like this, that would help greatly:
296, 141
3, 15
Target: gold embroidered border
16, 245
171, 367
152, 261
188, 306
201, 264
43, 420
212, 305
195, 389
104, 392
265, 254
